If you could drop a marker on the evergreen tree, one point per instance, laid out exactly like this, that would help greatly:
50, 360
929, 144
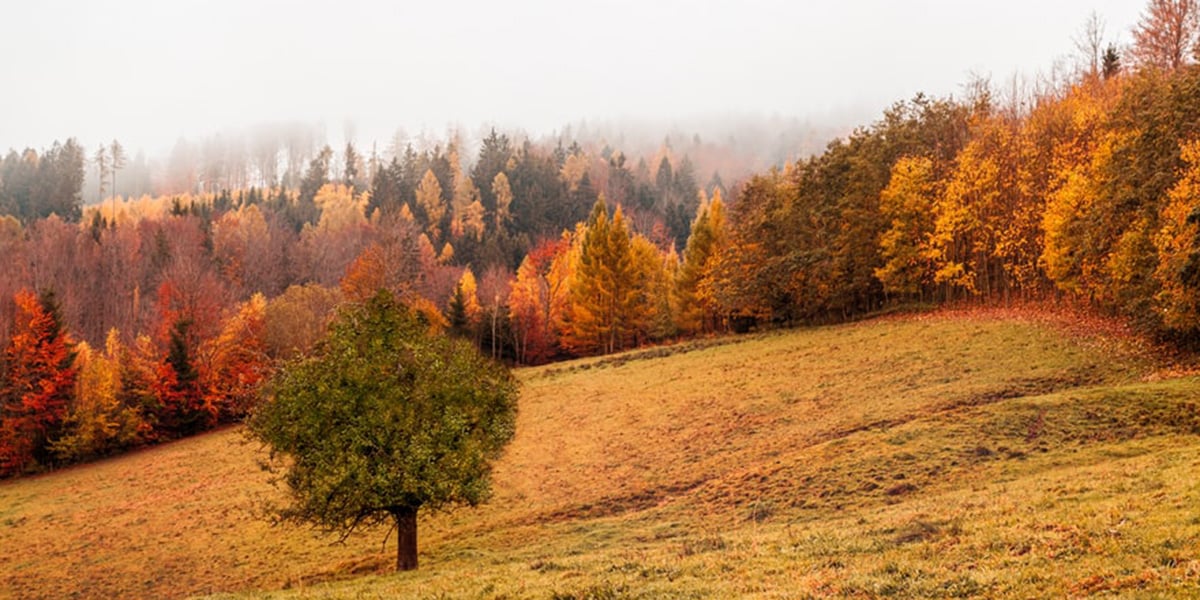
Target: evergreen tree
1111, 62
429, 200
694, 312
606, 302
350, 169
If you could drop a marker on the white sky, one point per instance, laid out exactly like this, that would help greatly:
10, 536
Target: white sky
149, 71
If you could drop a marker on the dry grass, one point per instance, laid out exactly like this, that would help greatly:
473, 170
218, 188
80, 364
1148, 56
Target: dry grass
946, 455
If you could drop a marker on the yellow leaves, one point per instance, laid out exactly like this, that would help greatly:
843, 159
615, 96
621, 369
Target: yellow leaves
561, 276
468, 210
98, 422
1178, 247
472, 222
1066, 205
470, 291
907, 202
446, 255
573, 170
233, 235
340, 208
429, 313
504, 197
429, 199
694, 303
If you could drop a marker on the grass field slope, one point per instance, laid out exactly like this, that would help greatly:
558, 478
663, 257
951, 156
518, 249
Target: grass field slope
942, 455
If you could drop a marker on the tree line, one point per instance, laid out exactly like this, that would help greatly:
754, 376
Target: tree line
172, 309
144, 319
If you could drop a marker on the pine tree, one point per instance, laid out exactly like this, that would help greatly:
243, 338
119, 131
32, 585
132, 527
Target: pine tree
350, 168
504, 197
606, 303
101, 161
429, 200
693, 312
116, 155
1111, 62
182, 406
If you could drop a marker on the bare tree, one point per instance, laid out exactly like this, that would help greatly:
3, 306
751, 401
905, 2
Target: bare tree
101, 161
1090, 43
1166, 34
116, 155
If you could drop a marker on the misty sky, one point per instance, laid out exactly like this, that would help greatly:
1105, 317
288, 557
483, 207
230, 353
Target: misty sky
150, 71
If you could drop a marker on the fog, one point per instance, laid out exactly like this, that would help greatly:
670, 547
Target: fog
150, 72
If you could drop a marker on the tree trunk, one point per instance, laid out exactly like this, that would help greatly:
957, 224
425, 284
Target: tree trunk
406, 538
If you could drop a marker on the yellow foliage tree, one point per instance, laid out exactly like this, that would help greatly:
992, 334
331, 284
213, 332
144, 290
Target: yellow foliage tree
98, 422
1178, 246
694, 310
560, 277
340, 207
468, 210
470, 295
608, 305
907, 203
504, 197
429, 199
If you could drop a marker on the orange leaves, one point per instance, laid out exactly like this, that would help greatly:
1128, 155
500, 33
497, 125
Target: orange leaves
1178, 245
39, 378
529, 310
235, 362
907, 203
694, 304
367, 274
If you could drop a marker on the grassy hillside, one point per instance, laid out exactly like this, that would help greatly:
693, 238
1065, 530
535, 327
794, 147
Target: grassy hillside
944, 455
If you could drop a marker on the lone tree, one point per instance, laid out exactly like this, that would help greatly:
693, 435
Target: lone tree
385, 419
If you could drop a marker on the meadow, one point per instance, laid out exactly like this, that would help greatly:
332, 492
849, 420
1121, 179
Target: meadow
948, 454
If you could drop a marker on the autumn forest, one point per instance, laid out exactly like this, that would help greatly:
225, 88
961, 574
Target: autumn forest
145, 317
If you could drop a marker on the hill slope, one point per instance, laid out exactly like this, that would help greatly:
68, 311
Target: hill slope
945, 455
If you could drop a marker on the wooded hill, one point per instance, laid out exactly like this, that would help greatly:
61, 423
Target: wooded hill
1084, 189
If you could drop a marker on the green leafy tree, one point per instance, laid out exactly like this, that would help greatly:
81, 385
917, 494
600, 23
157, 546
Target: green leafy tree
386, 419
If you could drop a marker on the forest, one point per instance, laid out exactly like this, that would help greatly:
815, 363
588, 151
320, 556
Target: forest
135, 320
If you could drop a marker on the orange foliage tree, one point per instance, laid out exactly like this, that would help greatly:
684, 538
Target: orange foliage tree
37, 385
529, 304
235, 362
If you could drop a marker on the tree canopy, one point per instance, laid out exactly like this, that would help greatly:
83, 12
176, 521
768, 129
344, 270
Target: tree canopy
384, 419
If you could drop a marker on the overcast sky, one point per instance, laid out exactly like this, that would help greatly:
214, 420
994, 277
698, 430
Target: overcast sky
149, 71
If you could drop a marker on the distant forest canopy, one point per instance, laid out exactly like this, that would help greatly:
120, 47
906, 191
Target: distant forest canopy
273, 155
1084, 187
